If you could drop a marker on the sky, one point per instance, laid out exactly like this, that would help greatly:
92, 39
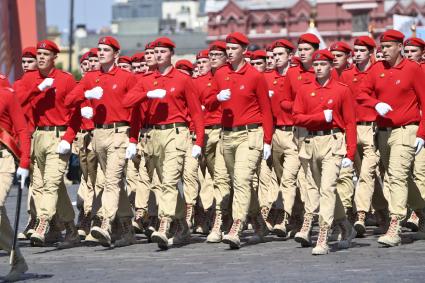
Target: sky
94, 13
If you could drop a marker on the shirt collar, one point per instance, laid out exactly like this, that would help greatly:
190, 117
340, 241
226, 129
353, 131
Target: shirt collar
112, 72
328, 85
241, 71
170, 74
52, 74
399, 66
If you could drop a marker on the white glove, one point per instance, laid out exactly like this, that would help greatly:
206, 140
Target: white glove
271, 93
383, 108
94, 93
23, 174
419, 144
196, 151
156, 93
267, 151
131, 151
224, 95
328, 115
346, 162
203, 107
45, 84
64, 147
87, 112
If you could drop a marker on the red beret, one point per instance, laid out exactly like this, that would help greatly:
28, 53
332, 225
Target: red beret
269, 48
184, 64
323, 55
379, 49
164, 42
218, 45
202, 54
295, 60
93, 52
124, 59
365, 41
109, 40
414, 41
85, 57
392, 35
48, 45
258, 54
283, 43
340, 46
237, 38
29, 52
150, 45
308, 38
138, 57
247, 54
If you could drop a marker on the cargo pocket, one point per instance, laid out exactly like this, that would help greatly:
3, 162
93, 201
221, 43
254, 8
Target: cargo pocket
305, 149
408, 135
121, 137
338, 145
181, 139
255, 139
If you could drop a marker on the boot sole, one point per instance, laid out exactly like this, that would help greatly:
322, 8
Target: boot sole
35, 242
412, 226
304, 243
102, 240
389, 245
360, 229
280, 233
161, 244
232, 245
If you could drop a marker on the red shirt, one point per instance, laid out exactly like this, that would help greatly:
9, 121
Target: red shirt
3, 81
312, 99
249, 102
179, 103
109, 108
27, 108
295, 78
402, 87
13, 121
49, 106
275, 82
353, 78
205, 88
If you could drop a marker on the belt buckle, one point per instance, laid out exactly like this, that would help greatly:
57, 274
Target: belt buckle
320, 133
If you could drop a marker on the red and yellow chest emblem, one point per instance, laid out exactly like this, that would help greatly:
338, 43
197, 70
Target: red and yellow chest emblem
155, 83
313, 94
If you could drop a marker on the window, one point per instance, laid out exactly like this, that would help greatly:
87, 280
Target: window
360, 22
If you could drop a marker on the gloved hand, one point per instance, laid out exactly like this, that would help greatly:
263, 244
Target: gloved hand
94, 93
346, 162
267, 151
328, 115
64, 147
131, 151
22, 174
157, 93
196, 151
224, 95
45, 84
271, 93
203, 107
87, 112
419, 144
383, 108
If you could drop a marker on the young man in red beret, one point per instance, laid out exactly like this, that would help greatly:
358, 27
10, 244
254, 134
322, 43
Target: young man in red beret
185, 66
84, 63
13, 127
285, 154
29, 59
295, 77
270, 61
105, 90
55, 129
413, 50
124, 62
367, 157
324, 108
392, 88
247, 130
342, 53
169, 88
217, 55
138, 63
94, 60
258, 60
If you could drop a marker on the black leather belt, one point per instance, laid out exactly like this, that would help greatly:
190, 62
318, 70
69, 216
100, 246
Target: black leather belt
397, 127
286, 128
111, 126
51, 128
213, 127
241, 128
85, 131
325, 132
366, 123
168, 126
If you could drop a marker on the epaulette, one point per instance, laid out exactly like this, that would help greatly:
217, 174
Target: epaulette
341, 83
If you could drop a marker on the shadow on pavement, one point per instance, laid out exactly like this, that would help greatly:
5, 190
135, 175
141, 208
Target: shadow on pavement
31, 276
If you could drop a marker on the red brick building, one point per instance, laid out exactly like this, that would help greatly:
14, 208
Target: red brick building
266, 20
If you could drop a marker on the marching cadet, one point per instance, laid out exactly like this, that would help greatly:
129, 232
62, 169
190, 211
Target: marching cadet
94, 60
342, 54
367, 157
324, 108
169, 89
212, 118
285, 153
296, 76
138, 63
247, 130
270, 61
55, 129
13, 127
84, 63
393, 89
258, 60
413, 50
105, 89
379, 56
3, 81
124, 62
29, 60
185, 66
